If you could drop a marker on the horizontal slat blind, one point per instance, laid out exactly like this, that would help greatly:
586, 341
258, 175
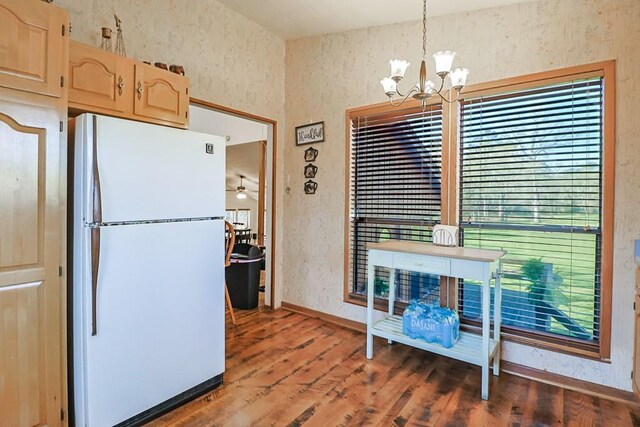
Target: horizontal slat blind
396, 161
531, 184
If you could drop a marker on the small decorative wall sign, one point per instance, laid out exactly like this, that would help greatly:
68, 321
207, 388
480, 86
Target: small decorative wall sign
310, 171
310, 187
310, 154
308, 134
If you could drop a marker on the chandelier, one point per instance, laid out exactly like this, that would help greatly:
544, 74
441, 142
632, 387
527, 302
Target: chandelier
425, 88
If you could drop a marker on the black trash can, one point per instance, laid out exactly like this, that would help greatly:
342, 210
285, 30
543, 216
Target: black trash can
243, 276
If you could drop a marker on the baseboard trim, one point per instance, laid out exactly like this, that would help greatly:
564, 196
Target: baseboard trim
330, 318
533, 374
581, 386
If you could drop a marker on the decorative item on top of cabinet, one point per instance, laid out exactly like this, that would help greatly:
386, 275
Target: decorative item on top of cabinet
105, 43
178, 69
119, 49
33, 47
106, 83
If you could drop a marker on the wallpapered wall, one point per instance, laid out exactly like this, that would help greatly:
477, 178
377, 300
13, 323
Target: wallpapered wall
230, 60
328, 74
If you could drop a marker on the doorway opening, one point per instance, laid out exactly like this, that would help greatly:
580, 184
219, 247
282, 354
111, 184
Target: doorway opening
250, 179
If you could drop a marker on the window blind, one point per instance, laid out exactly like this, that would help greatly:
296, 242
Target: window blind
396, 161
531, 184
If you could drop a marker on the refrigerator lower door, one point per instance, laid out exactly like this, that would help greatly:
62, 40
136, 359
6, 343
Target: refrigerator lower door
160, 318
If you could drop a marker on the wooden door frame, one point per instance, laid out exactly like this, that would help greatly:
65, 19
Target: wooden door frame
262, 170
274, 151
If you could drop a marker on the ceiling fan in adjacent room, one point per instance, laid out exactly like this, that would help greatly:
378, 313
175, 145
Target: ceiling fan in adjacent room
241, 191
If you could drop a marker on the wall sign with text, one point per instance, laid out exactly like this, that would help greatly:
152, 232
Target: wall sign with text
309, 134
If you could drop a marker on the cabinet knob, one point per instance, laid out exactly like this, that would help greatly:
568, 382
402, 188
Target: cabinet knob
139, 90
120, 85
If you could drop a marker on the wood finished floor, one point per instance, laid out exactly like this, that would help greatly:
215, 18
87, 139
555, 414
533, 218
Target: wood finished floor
287, 369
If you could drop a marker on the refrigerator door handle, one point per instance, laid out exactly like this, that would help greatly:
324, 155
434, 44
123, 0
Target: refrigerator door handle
97, 190
95, 268
95, 232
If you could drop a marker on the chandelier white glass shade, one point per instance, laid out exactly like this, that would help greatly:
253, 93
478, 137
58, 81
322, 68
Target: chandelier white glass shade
425, 88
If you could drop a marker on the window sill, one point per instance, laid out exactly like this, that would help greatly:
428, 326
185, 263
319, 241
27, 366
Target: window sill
551, 343
379, 304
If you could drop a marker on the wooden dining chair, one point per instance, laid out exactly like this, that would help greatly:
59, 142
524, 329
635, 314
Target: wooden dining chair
229, 241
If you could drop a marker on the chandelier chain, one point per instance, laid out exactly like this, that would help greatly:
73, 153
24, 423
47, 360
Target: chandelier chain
424, 29
426, 88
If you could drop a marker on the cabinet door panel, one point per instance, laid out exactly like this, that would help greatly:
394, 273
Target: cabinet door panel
33, 49
31, 291
161, 95
99, 79
636, 356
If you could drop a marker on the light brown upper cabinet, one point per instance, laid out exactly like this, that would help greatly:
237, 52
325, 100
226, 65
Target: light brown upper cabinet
105, 83
33, 46
160, 95
99, 80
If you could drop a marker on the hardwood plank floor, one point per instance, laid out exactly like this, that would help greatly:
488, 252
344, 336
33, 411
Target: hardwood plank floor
287, 369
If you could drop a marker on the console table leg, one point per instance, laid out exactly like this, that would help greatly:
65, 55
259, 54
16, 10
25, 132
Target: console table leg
497, 319
496, 360
370, 295
392, 293
485, 381
486, 333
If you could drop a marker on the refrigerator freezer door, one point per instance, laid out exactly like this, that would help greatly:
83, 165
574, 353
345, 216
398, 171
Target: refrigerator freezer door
149, 172
160, 313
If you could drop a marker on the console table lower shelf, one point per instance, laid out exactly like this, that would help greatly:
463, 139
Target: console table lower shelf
467, 349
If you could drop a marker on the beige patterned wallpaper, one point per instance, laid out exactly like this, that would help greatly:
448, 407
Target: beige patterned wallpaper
328, 74
234, 62
230, 60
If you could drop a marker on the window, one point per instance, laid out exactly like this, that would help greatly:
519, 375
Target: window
395, 191
531, 182
230, 215
526, 166
239, 218
243, 218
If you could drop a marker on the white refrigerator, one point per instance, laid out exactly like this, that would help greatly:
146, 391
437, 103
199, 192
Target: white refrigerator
148, 269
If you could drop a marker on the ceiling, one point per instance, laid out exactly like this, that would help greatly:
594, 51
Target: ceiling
292, 19
244, 159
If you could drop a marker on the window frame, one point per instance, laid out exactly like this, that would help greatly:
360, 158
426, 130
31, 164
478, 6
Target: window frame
382, 108
450, 190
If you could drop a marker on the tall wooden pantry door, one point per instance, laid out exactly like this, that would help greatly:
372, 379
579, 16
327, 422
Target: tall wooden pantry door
33, 97
31, 242
636, 354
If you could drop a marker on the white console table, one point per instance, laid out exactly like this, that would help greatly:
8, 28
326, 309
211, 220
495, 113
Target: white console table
466, 263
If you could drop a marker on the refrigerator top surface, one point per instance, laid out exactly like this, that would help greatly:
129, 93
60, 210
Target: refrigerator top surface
133, 171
